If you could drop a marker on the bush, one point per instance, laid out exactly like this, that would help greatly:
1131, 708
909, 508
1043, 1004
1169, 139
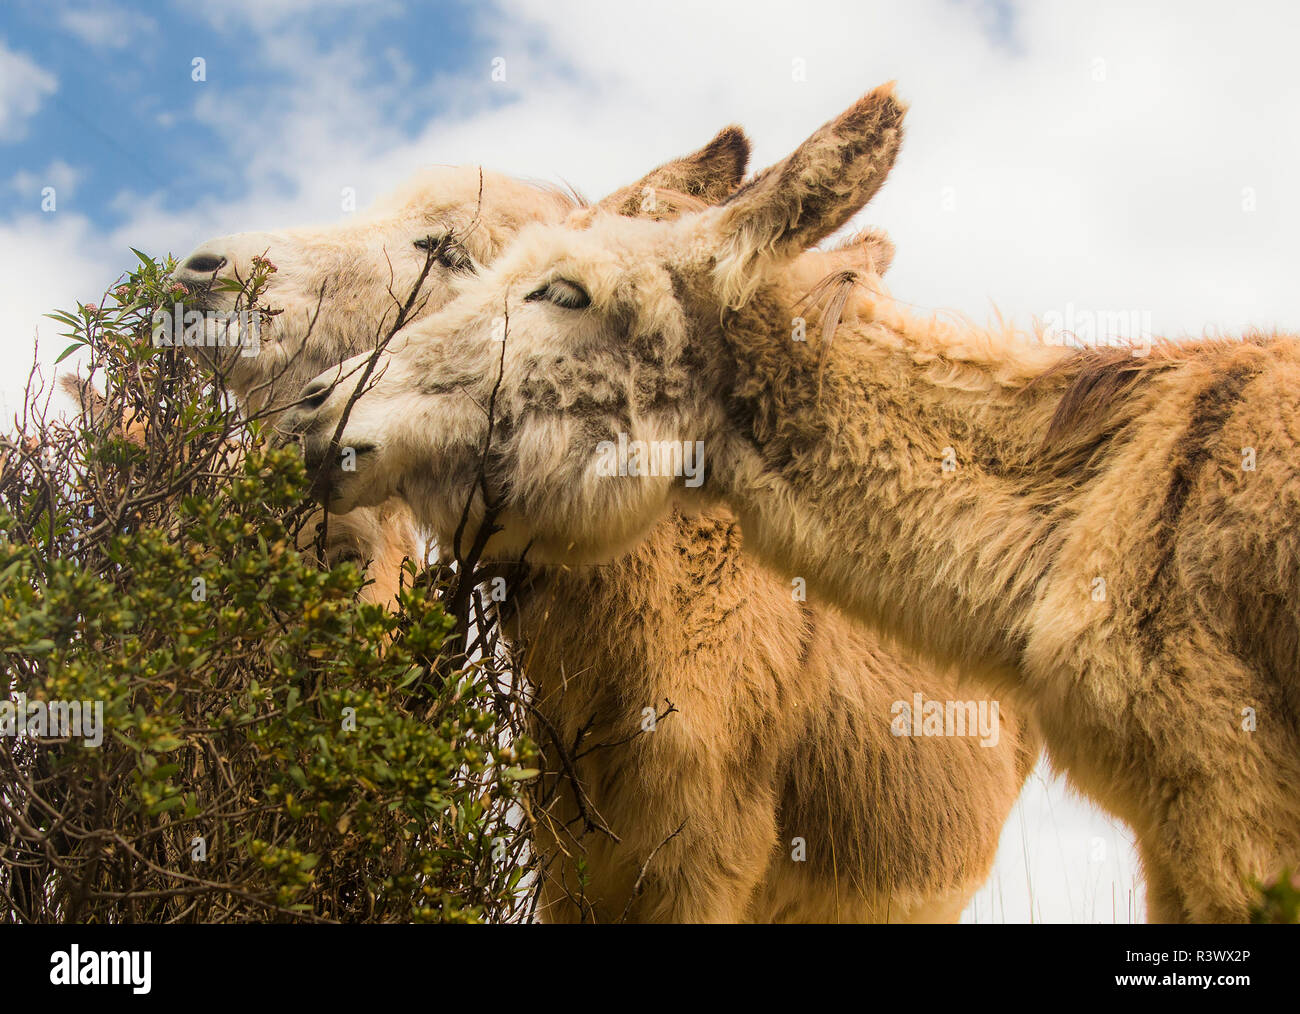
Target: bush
1279, 900
272, 748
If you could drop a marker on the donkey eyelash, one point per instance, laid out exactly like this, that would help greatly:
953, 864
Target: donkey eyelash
449, 254
561, 292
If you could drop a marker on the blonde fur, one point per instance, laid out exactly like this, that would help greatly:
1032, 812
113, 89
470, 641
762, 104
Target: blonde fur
780, 736
778, 715
962, 490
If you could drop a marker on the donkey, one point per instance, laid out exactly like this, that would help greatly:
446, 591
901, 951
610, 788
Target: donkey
399, 261
412, 243
779, 721
772, 787
1109, 533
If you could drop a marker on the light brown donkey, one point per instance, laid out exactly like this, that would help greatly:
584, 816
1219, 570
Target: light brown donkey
1112, 534
773, 785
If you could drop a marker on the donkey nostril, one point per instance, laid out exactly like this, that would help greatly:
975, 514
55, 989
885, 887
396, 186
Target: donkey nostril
204, 263
315, 393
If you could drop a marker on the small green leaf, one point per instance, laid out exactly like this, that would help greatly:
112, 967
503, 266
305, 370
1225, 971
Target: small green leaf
67, 352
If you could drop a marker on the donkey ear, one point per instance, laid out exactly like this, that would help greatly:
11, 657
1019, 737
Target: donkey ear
708, 175
797, 202
870, 250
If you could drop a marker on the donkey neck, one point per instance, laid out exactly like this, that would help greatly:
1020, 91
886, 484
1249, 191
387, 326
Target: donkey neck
673, 590
897, 473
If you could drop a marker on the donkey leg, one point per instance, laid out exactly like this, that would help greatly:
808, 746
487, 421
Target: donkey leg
1199, 876
1158, 740
702, 822
707, 869
1164, 896
1218, 810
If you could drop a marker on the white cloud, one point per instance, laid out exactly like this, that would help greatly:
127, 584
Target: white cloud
265, 15
58, 174
23, 88
47, 262
106, 26
1061, 860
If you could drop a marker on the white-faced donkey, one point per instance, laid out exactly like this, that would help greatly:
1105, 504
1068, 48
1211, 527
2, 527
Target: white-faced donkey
785, 782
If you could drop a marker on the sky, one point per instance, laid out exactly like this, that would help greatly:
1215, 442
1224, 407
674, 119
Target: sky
1125, 167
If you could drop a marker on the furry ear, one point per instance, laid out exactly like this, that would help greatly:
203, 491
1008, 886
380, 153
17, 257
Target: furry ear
870, 250
797, 202
95, 406
707, 175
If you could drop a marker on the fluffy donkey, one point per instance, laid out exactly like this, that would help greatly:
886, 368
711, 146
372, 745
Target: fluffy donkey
1111, 533
773, 785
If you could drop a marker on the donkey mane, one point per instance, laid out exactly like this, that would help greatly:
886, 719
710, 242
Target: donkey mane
564, 192
1102, 384
1099, 385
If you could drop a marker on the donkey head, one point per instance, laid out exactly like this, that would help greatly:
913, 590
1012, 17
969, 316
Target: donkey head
339, 290
588, 380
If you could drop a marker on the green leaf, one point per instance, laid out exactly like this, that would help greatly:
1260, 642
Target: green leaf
126, 740
68, 351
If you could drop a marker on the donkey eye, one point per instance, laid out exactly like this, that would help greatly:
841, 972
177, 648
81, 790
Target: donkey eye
448, 253
561, 292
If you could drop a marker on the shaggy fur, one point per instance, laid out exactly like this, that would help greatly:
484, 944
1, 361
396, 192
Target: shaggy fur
1078, 526
895, 830
780, 715
781, 731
